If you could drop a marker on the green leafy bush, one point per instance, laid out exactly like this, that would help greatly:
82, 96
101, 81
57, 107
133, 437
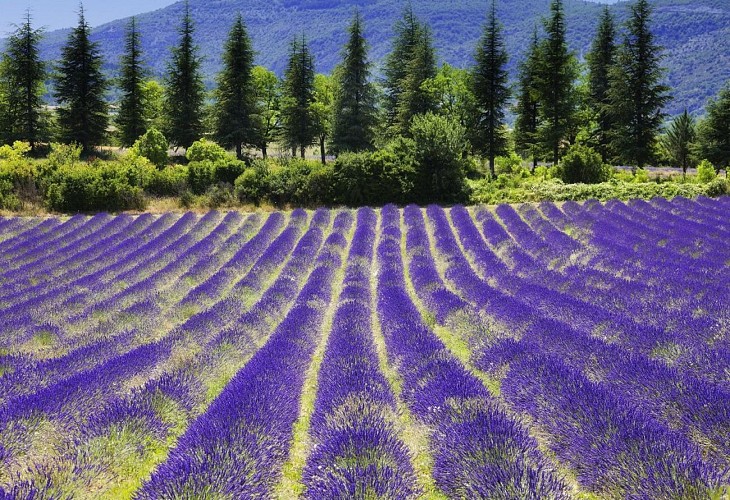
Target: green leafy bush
154, 146
252, 185
706, 172
170, 181
201, 175
228, 171
583, 164
205, 150
64, 154
511, 164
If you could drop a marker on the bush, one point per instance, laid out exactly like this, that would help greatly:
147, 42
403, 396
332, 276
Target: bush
252, 186
583, 164
228, 171
511, 164
706, 172
201, 175
153, 146
440, 143
64, 154
170, 181
218, 196
205, 150
717, 187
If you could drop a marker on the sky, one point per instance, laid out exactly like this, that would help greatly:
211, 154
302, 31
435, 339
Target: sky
55, 14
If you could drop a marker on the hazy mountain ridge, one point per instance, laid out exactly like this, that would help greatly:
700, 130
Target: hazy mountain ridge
696, 33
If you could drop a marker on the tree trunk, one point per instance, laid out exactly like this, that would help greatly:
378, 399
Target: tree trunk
239, 152
302, 151
322, 151
264, 153
491, 167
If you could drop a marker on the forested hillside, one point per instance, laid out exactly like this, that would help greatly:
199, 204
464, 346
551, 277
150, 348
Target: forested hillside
696, 33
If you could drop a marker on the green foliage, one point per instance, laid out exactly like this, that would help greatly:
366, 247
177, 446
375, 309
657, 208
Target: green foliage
679, 140
322, 110
79, 88
131, 119
206, 150
22, 76
714, 134
636, 95
169, 181
439, 150
153, 146
252, 185
491, 91
584, 165
267, 107
528, 106
227, 172
451, 91
184, 91
64, 154
201, 175
235, 102
414, 100
511, 164
297, 112
706, 172
600, 59
354, 106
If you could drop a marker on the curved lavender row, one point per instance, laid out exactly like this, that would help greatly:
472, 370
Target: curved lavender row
47, 228
478, 450
143, 225
614, 448
356, 447
22, 277
239, 445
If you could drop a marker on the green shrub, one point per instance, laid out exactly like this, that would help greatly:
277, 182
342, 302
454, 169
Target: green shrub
583, 164
136, 170
511, 164
228, 171
717, 187
154, 146
64, 154
205, 150
252, 185
440, 143
219, 195
706, 172
201, 175
170, 181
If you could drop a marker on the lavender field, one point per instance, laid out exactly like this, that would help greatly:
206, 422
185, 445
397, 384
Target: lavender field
532, 351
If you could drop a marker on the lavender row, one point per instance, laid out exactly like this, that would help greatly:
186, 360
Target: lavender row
478, 450
356, 447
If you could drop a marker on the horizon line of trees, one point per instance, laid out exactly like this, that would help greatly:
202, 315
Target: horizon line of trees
613, 104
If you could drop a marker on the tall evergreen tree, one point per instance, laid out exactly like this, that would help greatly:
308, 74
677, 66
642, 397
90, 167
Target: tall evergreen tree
600, 60
23, 74
636, 94
408, 35
556, 75
297, 117
354, 105
491, 90
714, 136
235, 94
80, 88
184, 92
415, 99
679, 140
131, 118
527, 108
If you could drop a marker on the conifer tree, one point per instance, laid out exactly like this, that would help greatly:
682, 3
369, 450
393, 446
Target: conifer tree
354, 105
491, 91
80, 88
415, 99
714, 136
131, 118
600, 59
527, 108
636, 94
556, 75
408, 34
184, 91
679, 140
296, 114
235, 94
23, 74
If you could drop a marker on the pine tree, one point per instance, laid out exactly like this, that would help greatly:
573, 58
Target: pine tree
636, 96
23, 74
131, 118
715, 131
80, 88
491, 90
298, 121
184, 90
556, 75
414, 99
680, 139
527, 108
600, 59
408, 35
235, 93
354, 105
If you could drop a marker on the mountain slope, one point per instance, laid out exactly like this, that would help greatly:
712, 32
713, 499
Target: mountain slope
696, 33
